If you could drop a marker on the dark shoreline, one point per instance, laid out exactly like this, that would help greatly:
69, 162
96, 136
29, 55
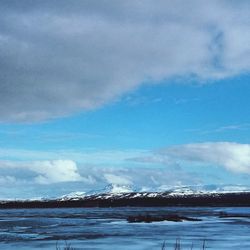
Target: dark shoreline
198, 200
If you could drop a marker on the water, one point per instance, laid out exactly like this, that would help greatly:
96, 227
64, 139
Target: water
106, 228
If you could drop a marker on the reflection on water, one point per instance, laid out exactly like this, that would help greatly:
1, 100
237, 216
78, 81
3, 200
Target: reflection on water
99, 228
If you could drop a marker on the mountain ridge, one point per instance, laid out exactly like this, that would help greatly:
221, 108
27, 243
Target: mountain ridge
114, 190
119, 191
109, 198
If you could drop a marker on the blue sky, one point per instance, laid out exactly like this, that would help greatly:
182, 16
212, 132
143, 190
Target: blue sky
92, 95
153, 116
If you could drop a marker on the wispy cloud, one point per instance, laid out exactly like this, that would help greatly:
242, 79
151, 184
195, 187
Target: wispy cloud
227, 128
179, 101
84, 156
132, 100
222, 129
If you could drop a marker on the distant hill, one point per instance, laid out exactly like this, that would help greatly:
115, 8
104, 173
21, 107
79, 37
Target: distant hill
137, 199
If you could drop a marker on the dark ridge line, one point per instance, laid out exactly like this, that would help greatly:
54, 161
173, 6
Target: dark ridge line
196, 200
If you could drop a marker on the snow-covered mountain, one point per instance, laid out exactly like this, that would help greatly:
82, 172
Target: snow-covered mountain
128, 191
73, 196
109, 190
123, 191
205, 189
122, 196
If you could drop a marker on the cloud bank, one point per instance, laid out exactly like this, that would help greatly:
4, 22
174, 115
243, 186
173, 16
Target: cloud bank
59, 177
60, 57
179, 165
231, 156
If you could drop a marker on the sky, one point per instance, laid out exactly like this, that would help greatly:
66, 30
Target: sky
129, 93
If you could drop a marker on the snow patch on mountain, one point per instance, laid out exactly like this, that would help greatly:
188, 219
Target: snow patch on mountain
73, 196
208, 189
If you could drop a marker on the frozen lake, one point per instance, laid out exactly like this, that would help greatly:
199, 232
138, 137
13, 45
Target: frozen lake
107, 228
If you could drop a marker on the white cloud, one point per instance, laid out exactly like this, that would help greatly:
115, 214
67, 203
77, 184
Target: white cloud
56, 171
62, 57
115, 179
47, 172
231, 156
